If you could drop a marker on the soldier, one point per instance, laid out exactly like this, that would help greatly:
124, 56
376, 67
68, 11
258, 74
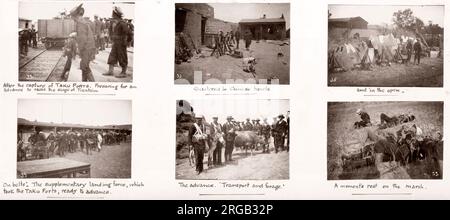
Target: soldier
288, 129
257, 127
197, 138
131, 28
120, 36
97, 32
38, 143
33, 38
217, 129
229, 129
70, 50
51, 139
248, 125
248, 39
85, 40
265, 131
24, 37
279, 132
237, 35
87, 137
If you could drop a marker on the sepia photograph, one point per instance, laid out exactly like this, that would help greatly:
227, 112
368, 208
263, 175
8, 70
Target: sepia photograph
386, 45
70, 138
385, 140
232, 43
76, 41
232, 139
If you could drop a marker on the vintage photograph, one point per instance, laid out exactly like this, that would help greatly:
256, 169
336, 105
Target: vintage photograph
385, 140
386, 45
70, 138
76, 41
232, 139
232, 43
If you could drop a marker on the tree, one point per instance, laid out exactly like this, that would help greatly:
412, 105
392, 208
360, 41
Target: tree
406, 20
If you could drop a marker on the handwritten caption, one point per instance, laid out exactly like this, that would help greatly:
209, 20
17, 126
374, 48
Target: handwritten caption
380, 91
384, 186
72, 188
230, 185
220, 89
64, 88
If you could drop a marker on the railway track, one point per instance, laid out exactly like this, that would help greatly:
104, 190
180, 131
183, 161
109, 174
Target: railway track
42, 66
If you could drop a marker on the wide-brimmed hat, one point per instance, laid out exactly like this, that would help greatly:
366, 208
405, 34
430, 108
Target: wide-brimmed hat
77, 11
358, 111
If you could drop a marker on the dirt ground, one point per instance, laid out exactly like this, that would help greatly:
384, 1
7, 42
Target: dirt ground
341, 116
111, 162
430, 73
257, 167
269, 64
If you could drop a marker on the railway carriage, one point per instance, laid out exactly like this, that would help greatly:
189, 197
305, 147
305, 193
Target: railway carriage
53, 32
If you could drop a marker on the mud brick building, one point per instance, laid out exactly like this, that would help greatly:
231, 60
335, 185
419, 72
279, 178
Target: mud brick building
198, 23
265, 28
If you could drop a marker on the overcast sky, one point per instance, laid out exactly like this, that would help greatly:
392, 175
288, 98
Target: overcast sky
234, 12
240, 109
47, 10
383, 14
87, 112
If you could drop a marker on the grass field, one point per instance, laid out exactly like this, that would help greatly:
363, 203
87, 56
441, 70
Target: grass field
341, 116
430, 73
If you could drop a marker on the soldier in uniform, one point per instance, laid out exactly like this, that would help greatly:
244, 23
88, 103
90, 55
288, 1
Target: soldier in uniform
98, 31
248, 125
280, 133
217, 154
38, 143
197, 138
265, 131
120, 36
229, 129
33, 37
85, 40
24, 37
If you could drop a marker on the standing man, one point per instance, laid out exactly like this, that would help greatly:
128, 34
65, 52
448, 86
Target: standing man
288, 130
217, 131
120, 36
409, 50
24, 37
265, 130
98, 32
280, 133
248, 39
237, 35
38, 143
248, 125
229, 130
417, 51
33, 36
197, 138
85, 40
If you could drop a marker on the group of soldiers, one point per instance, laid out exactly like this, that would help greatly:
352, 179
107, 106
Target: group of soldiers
202, 134
27, 38
89, 40
228, 42
66, 141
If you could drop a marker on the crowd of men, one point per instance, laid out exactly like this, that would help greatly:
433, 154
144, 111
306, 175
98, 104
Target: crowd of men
203, 134
62, 142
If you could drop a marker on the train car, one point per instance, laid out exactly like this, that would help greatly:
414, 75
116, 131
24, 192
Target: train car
53, 32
